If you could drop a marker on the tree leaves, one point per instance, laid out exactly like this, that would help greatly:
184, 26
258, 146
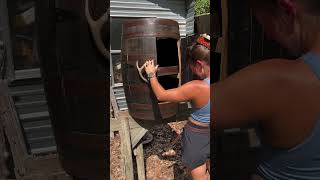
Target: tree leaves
202, 7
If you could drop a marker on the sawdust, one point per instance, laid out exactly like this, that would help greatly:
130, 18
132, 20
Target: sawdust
157, 166
115, 159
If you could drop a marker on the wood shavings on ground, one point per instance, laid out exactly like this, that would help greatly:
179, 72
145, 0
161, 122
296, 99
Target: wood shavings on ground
164, 167
157, 166
115, 159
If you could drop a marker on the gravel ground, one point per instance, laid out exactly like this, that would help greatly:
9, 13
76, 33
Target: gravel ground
157, 165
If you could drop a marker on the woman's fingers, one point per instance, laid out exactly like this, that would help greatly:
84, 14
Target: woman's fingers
149, 62
145, 64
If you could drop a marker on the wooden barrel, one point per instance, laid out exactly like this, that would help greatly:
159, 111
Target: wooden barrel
150, 38
76, 86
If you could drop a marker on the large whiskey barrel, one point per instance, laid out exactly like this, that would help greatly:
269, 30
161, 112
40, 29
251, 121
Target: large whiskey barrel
74, 74
150, 38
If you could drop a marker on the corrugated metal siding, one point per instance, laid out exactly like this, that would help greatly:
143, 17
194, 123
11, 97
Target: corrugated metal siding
190, 17
168, 9
120, 97
32, 109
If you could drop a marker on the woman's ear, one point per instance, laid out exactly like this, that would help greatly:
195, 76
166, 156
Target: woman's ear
199, 62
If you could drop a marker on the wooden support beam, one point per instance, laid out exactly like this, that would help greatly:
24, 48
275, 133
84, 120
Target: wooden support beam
6, 14
115, 124
138, 152
126, 151
12, 128
136, 135
4, 172
225, 30
163, 71
219, 45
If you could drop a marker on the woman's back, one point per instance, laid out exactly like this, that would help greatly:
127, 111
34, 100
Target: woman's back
280, 95
202, 95
201, 105
291, 145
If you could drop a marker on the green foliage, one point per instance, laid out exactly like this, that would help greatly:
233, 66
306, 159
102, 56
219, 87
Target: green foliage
202, 7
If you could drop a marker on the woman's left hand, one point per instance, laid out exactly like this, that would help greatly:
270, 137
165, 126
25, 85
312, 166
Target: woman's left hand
149, 66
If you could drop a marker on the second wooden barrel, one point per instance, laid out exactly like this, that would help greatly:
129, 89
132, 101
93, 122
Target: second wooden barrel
150, 38
74, 74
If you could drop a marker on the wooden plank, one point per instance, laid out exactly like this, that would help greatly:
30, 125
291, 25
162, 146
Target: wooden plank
126, 151
113, 102
140, 162
6, 14
115, 124
170, 70
44, 165
13, 129
225, 29
53, 176
136, 135
219, 45
180, 66
4, 172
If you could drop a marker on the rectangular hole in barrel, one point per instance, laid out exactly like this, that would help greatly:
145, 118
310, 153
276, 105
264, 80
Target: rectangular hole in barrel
167, 52
167, 58
169, 82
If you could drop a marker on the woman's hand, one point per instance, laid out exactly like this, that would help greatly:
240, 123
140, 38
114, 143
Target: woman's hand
149, 66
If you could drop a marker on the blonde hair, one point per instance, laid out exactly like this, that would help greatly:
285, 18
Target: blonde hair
198, 52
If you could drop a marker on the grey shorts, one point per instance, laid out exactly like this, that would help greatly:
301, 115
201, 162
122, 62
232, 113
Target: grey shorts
195, 145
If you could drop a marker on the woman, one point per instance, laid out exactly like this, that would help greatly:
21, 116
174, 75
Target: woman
281, 95
196, 134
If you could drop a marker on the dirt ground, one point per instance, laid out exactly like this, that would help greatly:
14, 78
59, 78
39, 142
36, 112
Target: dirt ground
157, 166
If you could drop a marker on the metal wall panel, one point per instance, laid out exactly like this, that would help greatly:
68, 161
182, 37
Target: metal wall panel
120, 97
32, 110
178, 10
190, 17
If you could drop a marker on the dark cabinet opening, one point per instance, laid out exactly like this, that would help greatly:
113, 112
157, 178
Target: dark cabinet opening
167, 52
168, 61
169, 82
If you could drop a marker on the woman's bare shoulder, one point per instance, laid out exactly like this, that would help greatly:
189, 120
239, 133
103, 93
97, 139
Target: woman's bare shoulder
267, 70
197, 84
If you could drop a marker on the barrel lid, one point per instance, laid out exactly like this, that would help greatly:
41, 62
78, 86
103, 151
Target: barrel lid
151, 27
149, 21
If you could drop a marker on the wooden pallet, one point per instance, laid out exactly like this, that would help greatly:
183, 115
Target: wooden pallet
130, 134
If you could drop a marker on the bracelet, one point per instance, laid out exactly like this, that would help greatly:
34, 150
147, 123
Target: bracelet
151, 75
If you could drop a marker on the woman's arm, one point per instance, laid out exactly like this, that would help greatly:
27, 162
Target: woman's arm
185, 92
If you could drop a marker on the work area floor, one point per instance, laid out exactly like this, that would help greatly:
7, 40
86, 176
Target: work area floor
157, 165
